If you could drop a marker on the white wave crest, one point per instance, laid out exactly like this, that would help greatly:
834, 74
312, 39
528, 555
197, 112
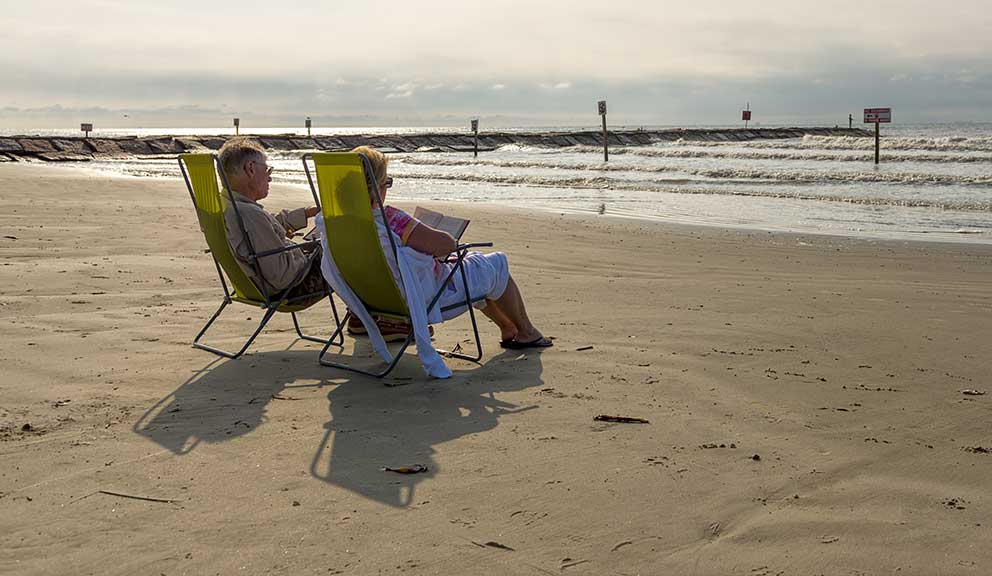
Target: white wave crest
810, 142
729, 173
685, 186
526, 148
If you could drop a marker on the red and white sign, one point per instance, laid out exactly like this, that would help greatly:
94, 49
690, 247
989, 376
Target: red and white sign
878, 115
745, 115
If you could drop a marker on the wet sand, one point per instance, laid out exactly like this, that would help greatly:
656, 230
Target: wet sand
806, 399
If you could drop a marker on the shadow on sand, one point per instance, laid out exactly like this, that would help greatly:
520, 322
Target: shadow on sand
371, 425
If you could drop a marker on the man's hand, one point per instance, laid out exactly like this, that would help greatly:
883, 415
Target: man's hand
312, 211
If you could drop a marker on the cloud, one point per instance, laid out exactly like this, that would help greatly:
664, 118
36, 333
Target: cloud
800, 58
404, 90
592, 40
827, 98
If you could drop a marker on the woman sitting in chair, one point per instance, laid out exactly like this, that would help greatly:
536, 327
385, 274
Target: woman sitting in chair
488, 275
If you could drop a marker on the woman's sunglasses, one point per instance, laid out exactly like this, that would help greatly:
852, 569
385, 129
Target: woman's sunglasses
389, 182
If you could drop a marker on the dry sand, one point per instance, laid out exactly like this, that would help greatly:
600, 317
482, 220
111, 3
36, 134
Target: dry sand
804, 395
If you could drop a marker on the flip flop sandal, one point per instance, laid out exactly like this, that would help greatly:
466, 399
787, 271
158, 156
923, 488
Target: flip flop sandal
539, 342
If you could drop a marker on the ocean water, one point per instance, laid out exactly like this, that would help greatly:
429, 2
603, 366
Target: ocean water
934, 182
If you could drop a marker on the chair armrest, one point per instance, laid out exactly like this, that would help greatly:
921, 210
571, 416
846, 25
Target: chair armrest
473, 245
462, 249
294, 246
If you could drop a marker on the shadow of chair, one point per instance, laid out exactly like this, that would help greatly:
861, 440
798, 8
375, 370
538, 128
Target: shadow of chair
223, 400
371, 425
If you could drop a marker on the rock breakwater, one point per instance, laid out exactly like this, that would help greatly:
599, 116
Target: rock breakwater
76, 149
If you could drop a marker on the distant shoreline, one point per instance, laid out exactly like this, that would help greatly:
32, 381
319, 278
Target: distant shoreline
81, 149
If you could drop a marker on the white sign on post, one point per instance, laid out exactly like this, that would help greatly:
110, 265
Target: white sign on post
602, 107
878, 115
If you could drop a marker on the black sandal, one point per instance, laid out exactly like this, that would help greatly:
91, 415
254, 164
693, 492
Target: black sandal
539, 342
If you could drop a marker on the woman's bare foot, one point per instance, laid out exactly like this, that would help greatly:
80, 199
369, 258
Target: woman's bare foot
528, 336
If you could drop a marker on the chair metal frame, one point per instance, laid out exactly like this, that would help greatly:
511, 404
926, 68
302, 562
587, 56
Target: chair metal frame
457, 257
271, 304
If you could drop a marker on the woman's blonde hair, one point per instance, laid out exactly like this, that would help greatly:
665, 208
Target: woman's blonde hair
378, 161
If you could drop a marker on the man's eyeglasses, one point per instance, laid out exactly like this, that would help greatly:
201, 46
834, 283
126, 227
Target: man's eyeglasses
268, 169
389, 181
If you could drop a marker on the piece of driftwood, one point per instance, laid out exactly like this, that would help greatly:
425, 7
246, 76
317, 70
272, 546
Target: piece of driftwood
415, 469
135, 497
620, 419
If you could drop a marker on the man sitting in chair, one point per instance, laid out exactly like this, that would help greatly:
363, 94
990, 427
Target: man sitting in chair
245, 164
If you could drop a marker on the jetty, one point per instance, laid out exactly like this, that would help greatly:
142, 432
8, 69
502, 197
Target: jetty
81, 149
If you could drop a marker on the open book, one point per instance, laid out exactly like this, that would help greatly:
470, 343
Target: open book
450, 224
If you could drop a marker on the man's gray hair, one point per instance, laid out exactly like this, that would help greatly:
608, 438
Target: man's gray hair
238, 150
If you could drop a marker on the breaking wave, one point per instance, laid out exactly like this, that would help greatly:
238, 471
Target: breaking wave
798, 154
732, 174
679, 186
944, 143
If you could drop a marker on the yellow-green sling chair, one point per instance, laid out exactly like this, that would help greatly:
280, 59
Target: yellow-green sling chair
200, 173
345, 191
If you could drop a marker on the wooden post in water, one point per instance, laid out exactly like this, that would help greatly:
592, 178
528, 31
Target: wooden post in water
475, 131
876, 141
606, 140
308, 126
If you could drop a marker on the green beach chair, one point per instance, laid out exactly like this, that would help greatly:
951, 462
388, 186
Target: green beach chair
345, 188
200, 173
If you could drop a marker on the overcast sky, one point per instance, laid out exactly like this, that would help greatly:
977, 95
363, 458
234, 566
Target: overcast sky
510, 62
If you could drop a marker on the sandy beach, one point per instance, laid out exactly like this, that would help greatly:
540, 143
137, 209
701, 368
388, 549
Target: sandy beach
815, 405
